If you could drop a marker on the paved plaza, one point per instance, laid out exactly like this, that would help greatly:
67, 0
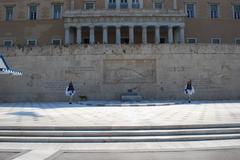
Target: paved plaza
99, 113
119, 114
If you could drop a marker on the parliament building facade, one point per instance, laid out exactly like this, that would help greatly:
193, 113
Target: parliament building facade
67, 22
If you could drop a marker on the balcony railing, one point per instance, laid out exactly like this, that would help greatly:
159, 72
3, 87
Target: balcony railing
135, 5
123, 13
123, 5
112, 5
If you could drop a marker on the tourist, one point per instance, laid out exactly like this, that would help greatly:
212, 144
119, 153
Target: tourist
189, 90
70, 92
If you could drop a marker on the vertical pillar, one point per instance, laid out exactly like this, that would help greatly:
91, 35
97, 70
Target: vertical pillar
118, 4
79, 35
72, 4
182, 35
144, 34
170, 34
106, 4
157, 34
175, 4
118, 34
129, 4
105, 35
67, 35
92, 35
131, 34
141, 3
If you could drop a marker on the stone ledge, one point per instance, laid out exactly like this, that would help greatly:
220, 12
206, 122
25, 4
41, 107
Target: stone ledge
131, 98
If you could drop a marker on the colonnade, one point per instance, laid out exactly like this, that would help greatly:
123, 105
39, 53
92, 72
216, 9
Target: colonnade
131, 33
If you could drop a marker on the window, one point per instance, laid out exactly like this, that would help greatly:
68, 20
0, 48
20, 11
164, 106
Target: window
135, 4
57, 11
112, 4
192, 40
190, 10
56, 42
158, 4
9, 13
89, 5
236, 11
124, 4
33, 12
214, 11
32, 42
237, 41
216, 40
7, 43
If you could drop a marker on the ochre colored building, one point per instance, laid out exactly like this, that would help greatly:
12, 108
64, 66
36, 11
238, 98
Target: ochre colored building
44, 22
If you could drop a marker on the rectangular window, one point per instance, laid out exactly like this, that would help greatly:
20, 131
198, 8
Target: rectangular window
214, 11
32, 42
9, 13
158, 4
192, 40
190, 10
112, 4
33, 12
89, 5
237, 41
8, 43
236, 11
216, 40
135, 4
57, 11
124, 4
56, 42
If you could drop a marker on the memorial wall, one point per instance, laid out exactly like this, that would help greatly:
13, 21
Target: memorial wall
156, 72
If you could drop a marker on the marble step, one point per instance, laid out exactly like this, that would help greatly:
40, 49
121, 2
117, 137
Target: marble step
119, 139
112, 133
89, 128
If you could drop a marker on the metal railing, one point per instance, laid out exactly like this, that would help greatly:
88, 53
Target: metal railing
135, 5
124, 5
112, 5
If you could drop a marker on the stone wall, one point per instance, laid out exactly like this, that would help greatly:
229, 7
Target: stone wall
106, 71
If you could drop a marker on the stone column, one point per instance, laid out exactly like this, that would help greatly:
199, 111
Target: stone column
141, 3
106, 4
118, 4
72, 4
170, 34
182, 34
131, 34
67, 35
105, 34
175, 4
157, 34
144, 34
79, 35
118, 34
92, 35
130, 4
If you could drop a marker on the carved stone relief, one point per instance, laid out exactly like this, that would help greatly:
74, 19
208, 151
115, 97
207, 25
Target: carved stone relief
129, 71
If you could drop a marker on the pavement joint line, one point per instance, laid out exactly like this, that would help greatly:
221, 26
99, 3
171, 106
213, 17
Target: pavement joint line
21, 152
145, 150
60, 151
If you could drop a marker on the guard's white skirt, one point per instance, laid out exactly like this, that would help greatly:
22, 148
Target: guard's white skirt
69, 93
189, 91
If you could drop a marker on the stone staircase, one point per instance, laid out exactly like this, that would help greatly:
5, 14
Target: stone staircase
72, 134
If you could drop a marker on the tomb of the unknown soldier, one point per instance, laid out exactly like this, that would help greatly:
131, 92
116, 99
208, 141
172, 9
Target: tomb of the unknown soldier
106, 72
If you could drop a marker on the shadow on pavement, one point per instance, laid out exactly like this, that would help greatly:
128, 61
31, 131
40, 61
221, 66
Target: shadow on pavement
28, 114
